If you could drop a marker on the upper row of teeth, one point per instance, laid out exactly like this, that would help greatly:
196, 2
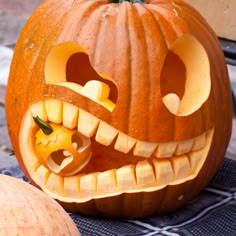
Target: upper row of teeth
71, 116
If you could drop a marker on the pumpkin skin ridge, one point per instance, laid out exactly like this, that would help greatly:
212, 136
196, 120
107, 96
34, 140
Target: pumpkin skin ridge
139, 31
90, 9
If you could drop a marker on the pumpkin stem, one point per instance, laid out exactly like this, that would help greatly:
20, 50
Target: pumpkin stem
131, 1
44, 126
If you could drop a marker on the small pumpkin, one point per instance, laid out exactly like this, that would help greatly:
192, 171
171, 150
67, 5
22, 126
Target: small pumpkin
25, 210
137, 100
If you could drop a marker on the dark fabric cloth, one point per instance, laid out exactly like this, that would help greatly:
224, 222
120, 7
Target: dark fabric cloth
211, 213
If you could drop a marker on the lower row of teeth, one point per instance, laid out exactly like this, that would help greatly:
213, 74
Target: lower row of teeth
145, 174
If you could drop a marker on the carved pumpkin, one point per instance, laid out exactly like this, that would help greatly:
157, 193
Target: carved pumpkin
137, 100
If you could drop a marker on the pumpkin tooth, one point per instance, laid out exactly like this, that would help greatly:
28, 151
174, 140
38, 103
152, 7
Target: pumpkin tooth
54, 109
88, 185
124, 143
165, 150
70, 115
42, 174
87, 123
105, 134
199, 142
163, 171
144, 149
196, 160
125, 177
66, 153
181, 167
71, 186
55, 183
106, 182
144, 174
183, 147
39, 109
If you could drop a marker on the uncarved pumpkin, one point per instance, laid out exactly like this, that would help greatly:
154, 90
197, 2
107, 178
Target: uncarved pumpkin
25, 210
136, 99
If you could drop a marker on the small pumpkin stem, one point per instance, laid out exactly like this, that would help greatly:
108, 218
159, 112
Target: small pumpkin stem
44, 126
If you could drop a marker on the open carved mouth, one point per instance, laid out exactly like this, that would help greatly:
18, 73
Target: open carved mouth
154, 165
84, 157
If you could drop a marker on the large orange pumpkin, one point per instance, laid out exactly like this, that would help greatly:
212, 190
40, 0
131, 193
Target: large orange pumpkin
120, 109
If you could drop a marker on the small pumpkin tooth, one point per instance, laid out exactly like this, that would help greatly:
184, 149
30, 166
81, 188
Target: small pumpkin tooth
199, 142
184, 147
96, 90
51, 163
144, 174
54, 109
88, 185
165, 150
87, 123
181, 167
106, 182
144, 149
75, 145
124, 143
163, 171
198, 157
125, 177
70, 115
105, 133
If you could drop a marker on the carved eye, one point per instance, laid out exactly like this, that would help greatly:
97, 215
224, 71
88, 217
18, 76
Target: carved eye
185, 77
68, 65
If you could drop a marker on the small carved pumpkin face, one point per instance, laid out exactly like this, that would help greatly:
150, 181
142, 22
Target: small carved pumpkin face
128, 117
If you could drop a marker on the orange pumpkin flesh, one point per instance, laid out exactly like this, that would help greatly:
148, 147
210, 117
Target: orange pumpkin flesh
154, 111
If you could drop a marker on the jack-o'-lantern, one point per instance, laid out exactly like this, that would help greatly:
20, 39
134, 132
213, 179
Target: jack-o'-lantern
120, 109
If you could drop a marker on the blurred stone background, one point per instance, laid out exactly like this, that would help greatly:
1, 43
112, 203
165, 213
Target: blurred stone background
13, 15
